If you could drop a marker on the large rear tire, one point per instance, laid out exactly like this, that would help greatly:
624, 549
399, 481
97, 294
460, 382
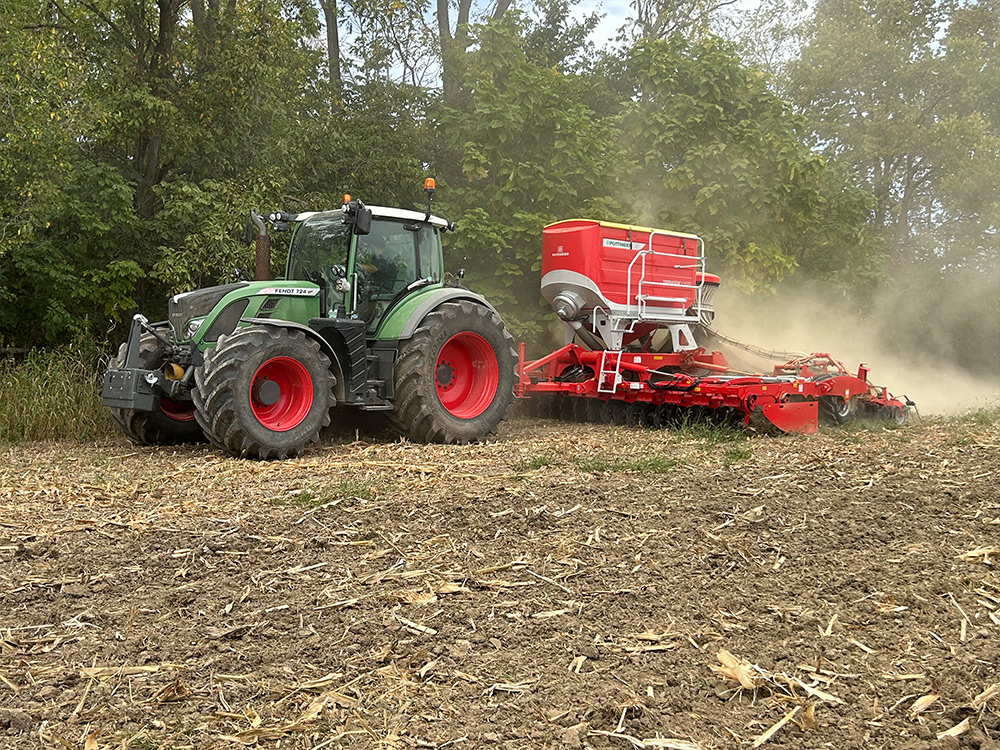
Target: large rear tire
264, 392
172, 422
454, 378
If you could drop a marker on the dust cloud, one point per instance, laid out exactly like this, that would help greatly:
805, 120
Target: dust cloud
803, 320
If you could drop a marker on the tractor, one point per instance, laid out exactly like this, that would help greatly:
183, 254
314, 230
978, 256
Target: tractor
363, 318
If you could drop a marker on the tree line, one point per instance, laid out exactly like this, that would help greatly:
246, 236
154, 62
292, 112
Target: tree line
852, 144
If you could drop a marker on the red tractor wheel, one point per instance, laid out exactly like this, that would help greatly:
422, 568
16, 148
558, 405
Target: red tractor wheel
264, 392
454, 377
281, 394
466, 375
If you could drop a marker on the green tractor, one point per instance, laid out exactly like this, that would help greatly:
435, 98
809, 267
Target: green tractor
364, 318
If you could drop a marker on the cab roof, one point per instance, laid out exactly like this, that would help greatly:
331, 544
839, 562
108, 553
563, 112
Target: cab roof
383, 212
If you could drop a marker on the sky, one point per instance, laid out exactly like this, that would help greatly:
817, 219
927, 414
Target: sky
616, 11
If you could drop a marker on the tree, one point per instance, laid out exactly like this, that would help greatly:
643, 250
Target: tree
768, 35
659, 19
124, 128
908, 93
331, 20
719, 154
392, 41
454, 44
907, 107
522, 152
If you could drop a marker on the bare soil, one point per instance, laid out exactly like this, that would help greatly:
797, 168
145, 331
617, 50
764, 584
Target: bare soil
566, 586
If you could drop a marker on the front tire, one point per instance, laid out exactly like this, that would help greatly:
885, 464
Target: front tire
172, 422
454, 378
264, 392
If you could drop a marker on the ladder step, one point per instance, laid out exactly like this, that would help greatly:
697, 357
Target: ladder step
653, 298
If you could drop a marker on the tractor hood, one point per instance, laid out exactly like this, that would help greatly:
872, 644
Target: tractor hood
182, 308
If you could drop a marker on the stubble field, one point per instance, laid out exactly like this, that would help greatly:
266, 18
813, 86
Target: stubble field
565, 586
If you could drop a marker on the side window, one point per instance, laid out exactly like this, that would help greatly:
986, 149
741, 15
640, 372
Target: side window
430, 256
388, 260
318, 246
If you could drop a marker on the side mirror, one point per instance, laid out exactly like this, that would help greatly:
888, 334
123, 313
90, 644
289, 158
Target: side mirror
363, 221
358, 214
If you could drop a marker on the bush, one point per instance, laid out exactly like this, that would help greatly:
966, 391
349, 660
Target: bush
53, 395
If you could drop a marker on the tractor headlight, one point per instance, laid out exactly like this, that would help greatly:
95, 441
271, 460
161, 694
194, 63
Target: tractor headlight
192, 327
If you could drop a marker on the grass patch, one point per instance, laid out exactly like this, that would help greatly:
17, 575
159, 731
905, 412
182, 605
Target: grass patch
691, 427
53, 395
988, 416
735, 454
347, 492
524, 465
709, 433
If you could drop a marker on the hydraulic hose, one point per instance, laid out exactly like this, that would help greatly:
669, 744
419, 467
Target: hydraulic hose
756, 350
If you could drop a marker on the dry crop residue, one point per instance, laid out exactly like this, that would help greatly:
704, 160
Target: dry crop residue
568, 586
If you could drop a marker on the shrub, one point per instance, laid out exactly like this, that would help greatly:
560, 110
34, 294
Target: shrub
53, 395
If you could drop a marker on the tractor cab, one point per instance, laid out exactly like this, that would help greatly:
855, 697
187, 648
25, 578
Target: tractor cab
364, 274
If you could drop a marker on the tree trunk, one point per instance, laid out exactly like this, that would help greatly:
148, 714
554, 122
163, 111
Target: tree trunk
148, 162
455, 46
332, 42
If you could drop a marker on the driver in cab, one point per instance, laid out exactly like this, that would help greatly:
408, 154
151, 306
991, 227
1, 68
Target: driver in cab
373, 261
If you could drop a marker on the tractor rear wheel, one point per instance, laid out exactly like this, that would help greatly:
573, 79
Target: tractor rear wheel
454, 378
172, 422
264, 392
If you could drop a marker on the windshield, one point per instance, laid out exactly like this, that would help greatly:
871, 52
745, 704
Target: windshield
320, 243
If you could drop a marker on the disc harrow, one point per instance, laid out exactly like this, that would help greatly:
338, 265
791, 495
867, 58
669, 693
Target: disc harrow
617, 288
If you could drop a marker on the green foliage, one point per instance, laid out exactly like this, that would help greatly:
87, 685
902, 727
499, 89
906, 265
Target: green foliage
52, 395
134, 152
200, 246
717, 153
522, 153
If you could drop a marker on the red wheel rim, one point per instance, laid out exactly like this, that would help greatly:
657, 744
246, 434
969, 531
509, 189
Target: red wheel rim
179, 411
466, 375
281, 393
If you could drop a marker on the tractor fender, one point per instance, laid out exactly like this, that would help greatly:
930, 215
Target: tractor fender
405, 318
324, 345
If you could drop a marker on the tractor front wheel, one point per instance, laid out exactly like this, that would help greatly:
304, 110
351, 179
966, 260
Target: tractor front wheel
264, 392
172, 421
455, 376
